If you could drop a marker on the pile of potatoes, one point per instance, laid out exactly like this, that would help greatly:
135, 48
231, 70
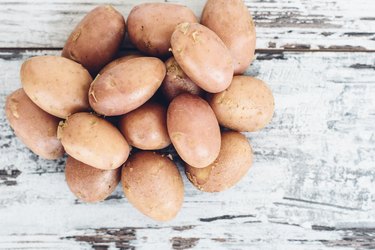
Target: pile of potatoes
111, 116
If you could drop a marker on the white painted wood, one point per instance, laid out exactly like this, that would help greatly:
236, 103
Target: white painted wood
281, 24
314, 166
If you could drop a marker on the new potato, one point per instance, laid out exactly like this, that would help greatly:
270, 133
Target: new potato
118, 61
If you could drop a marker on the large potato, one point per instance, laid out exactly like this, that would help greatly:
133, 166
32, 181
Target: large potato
194, 130
246, 106
150, 25
96, 39
202, 56
126, 86
90, 184
153, 185
93, 141
35, 128
57, 85
177, 82
232, 22
146, 127
116, 62
230, 167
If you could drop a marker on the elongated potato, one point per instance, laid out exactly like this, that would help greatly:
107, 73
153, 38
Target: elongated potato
96, 39
116, 62
35, 128
150, 25
57, 85
90, 184
177, 82
146, 127
232, 22
230, 167
153, 185
93, 141
194, 130
126, 86
202, 56
246, 106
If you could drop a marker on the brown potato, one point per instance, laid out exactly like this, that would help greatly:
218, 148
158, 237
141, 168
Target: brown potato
35, 128
90, 184
230, 167
202, 56
96, 39
150, 25
93, 141
117, 62
194, 130
246, 106
232, 22
177, 82
153, 185
146, 127
126, 86
57, 85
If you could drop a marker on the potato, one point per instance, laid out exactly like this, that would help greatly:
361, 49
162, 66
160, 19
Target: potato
90, 184
117, 62
153, 185
57, 85
35, 128
126, 86
146, 127
150, 25
93, 141
246, 106
232, 22
177, 82
194, 130
96, 39
230, 167
202, 56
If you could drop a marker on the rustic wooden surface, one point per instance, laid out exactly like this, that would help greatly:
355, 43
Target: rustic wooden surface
312, 182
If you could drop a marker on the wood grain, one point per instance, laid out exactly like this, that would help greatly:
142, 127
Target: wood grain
281, 24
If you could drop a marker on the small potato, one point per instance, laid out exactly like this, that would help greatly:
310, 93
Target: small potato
194, 130
57, 85
93, 141
232, 22
117, 62
246, 106
96, 39
153, 185
177, 82
146, 127
202, 56
35, 128
90, 184
150, 25
126, 86
230, 167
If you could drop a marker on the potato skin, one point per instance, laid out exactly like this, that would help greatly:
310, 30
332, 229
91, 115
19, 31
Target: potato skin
229, 168
35, 128
246, 106
96, 39
126, 86
202, 56
57, 85
194, 130
153, 185
146, 127
232, 22
93, 141
177, 82
150, 25
116, 62
90, 184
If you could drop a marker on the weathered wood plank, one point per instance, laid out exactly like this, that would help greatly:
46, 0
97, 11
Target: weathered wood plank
311, 182
281, 24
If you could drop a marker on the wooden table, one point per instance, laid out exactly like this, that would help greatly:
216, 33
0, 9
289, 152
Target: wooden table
312, 185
